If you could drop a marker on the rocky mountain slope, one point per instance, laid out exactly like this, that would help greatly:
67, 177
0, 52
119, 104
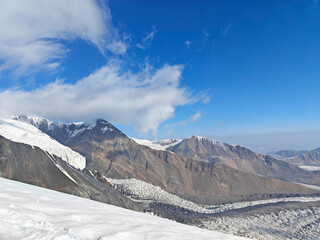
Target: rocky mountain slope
303, 157
243, 159
116, 156
31, 164
310, 158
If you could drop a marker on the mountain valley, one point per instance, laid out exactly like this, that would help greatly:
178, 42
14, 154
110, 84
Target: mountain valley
196, 181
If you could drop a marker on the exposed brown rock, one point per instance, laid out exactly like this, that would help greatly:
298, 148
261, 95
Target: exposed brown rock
32, 165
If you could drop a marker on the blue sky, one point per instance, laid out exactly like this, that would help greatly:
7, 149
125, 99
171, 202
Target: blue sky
240, 71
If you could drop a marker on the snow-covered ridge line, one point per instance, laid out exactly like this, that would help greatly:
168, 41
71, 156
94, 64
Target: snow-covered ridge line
37, 121
157, 144
22, 132
199, 138
30, 212
71, 130
138, 189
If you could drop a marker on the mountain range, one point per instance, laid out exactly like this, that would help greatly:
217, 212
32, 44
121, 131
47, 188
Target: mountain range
303, 157
199, 169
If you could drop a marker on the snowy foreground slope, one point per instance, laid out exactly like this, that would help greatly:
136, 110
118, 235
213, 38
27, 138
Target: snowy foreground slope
29, 212
22, 132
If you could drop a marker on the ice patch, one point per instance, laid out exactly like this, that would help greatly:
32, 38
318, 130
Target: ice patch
22, 132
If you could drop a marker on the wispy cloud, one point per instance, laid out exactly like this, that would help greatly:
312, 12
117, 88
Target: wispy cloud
187, 43
225, 30
205, 33
144, 99
205, 38
31, 31
146, 40
150, 36
193, 118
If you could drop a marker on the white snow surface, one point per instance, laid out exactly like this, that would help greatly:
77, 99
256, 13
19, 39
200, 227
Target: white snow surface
138, 189
204, 139
22, 132
157, 144
165, 143
29, 212
309, 168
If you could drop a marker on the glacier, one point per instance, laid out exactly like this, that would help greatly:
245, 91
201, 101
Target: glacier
22, 132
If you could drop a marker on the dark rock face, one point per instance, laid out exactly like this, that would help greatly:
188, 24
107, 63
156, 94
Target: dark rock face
32, 165
243, 159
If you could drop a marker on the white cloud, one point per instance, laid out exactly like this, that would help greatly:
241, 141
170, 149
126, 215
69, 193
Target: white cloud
144, 99
139, 45
32, 37
188, 43
146, 41
193, 118
150, 36
31, 31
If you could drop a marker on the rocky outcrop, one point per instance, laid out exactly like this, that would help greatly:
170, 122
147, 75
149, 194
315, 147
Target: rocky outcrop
29, 164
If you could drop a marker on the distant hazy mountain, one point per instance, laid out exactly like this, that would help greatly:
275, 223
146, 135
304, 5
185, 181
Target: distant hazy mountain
303, 157
311, 158
243, 159
112, 153
286, 153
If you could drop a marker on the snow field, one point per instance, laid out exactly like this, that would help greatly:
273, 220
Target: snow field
29, 212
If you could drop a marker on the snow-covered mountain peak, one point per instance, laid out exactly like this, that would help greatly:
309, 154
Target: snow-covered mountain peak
201, 139
26, 133
104, 126
32, 119
65, 133
43, 122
